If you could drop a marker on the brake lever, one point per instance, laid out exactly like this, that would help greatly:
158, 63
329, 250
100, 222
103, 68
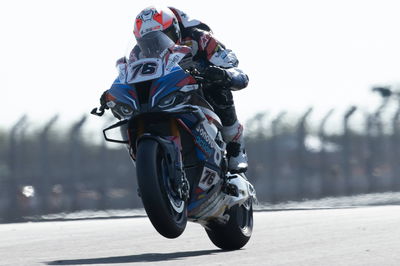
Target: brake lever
100, 111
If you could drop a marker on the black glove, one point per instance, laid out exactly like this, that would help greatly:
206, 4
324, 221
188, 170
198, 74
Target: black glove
217, 76
103, 105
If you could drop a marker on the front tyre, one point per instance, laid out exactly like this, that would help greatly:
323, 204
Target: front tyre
166, 211
237, 231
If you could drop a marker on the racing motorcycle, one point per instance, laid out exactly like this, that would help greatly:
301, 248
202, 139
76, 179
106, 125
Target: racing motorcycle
174, 139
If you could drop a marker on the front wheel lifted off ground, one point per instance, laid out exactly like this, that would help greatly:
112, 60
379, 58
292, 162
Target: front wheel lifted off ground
166, 211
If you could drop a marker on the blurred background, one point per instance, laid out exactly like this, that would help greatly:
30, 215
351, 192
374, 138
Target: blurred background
321, 112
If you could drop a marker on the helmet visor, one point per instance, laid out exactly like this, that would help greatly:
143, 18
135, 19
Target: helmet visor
153, 44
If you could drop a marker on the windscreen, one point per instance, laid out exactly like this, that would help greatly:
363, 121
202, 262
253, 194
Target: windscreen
154, 44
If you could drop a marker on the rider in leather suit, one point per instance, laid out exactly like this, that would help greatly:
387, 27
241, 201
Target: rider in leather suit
210, 57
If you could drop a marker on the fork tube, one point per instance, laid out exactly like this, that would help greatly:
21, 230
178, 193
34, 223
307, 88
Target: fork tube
140, 128
175, 132
174, 128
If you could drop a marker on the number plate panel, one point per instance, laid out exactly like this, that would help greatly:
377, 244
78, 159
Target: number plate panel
208, 178
141, 70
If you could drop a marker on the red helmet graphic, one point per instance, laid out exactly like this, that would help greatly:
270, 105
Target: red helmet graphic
156, 19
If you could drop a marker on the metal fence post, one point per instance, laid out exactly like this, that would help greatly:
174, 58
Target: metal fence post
13, 213
326, 188
376, 141
274, 158
347, 151
104, 168
75, 162
302, 167
42, 184
395, 148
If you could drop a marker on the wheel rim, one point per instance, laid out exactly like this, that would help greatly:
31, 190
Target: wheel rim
244, 217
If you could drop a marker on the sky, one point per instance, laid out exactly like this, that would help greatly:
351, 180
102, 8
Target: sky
57, 57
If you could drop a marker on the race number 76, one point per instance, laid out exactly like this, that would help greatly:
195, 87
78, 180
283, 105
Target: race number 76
208, 178
148, 68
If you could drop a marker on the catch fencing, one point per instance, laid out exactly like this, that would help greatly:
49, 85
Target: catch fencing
49, 171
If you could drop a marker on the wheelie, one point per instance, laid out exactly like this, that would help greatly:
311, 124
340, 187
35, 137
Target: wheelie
174, 102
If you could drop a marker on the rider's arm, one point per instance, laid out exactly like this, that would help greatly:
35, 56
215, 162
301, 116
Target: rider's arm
186, 23
216, 53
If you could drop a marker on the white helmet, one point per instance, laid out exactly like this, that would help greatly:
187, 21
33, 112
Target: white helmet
155, 19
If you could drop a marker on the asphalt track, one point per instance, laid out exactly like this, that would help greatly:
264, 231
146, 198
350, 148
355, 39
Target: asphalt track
343, 236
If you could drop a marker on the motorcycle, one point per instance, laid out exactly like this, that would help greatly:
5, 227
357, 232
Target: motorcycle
174, 139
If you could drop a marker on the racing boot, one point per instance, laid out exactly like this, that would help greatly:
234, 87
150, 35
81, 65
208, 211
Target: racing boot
237, 157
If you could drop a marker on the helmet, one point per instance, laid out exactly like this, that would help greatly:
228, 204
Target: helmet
155, 19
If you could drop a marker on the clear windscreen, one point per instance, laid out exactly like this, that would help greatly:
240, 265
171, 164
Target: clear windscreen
154, 44
152, 62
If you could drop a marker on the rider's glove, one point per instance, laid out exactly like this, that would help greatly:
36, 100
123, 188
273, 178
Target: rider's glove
218, 76
103, 105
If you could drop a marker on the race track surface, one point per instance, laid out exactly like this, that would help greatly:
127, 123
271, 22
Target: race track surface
345, 236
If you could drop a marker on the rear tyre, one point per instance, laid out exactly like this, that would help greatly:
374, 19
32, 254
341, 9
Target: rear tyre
237, 232
166, 211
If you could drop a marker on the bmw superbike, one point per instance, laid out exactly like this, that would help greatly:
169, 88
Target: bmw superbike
174, 139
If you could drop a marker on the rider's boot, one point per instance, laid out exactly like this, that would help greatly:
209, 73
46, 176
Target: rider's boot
237, 157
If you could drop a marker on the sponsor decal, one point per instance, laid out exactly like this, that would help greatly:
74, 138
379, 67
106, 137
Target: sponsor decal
204, 140
111, 104
204, 134
207, 144
173, 62
147, 15
203, 144
144, 31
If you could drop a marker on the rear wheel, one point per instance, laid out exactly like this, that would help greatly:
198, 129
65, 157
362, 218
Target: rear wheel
237, 231
166, 211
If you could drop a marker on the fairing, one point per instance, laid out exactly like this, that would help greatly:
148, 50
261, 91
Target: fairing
161, 92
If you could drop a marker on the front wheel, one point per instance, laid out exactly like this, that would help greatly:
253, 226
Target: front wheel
166, 211
237, 231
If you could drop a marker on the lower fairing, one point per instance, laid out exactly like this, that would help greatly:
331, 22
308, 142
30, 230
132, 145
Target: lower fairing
215, 207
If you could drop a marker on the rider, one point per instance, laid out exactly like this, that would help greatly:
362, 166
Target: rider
218, 64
